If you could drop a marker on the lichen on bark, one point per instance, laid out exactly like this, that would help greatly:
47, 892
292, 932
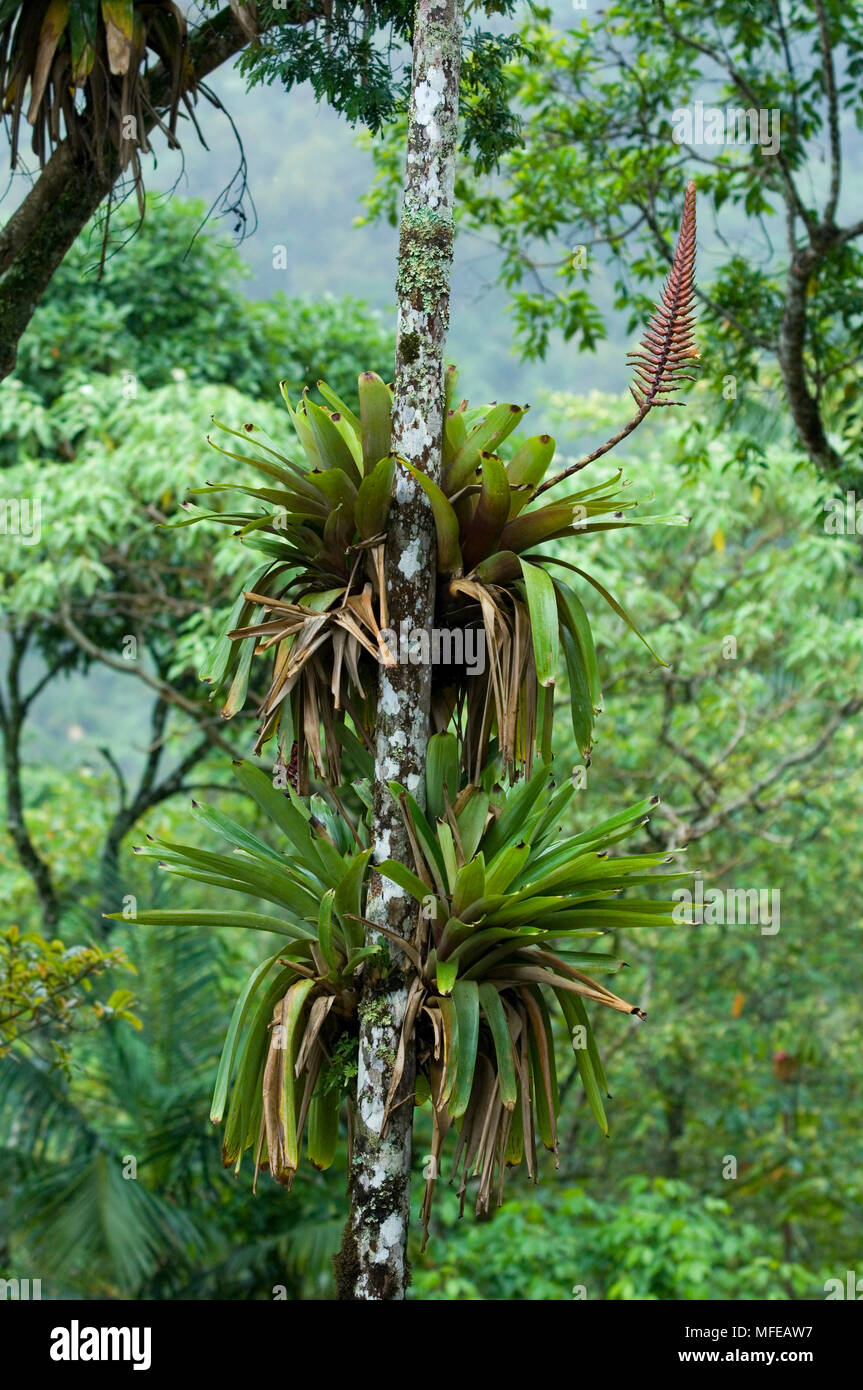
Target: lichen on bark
372, 1262
425, 256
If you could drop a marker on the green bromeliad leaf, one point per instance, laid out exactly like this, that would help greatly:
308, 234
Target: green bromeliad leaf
507, 942
493, 927
319, 515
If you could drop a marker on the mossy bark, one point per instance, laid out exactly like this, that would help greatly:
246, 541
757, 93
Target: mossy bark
372, 1263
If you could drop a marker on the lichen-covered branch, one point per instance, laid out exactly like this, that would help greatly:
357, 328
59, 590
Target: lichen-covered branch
372, 1262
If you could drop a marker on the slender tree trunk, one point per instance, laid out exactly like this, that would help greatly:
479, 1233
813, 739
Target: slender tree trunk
805, 408
13, 711
372, 1262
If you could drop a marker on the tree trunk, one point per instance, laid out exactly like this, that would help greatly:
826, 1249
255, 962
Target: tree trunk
72, 195
372, 1262
805, 408
13, 710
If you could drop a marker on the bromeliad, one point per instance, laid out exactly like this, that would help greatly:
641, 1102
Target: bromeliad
511, 908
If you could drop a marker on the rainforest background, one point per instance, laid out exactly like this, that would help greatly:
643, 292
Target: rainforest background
734, 1164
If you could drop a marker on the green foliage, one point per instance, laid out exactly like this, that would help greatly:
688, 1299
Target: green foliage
357, 59
169, 301
656, 1239
341, 1069
287, 1021
97, 548
96, 560
347, 55
490, 865
701, 1067
102, 456
494, 581
116, 1189
491, 127
779, 673
584, 201
45, 991
322, 535
751, 740
498, 885
751, 1047
322, 530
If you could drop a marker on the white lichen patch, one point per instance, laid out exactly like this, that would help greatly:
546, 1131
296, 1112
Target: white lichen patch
390, 892
412, 558
415, 438
405, 489
371, 1100
428, 97
388, 701
390, 1239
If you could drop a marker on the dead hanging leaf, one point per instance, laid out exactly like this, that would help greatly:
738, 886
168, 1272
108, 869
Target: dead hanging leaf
737, 1005
52, 29
119, 21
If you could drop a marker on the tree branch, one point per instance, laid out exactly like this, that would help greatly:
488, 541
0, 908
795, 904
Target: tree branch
70, 189
723, 60
832, 113
13, 722
372, 1262
699, 826
162, 688
804, 405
